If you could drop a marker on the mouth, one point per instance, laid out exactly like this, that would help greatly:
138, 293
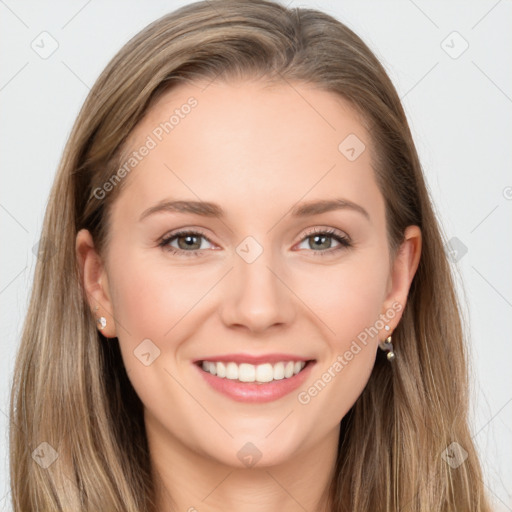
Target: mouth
262, 373
266, 379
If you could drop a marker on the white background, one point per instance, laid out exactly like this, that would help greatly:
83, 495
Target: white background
460, 111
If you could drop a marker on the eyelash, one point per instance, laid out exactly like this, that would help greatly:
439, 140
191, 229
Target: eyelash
331, 233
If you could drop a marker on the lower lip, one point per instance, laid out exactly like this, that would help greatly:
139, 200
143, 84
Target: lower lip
253, 392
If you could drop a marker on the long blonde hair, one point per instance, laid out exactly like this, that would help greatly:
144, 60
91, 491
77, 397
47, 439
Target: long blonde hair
71, 397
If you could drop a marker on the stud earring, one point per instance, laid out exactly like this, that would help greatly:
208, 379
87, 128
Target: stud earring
387, 346
101, 321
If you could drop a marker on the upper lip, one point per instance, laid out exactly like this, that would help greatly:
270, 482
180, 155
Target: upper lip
250, 359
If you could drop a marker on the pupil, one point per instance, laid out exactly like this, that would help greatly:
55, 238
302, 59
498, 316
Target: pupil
189, 240
318, 238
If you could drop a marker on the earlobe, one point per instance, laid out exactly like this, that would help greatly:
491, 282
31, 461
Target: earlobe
95, 283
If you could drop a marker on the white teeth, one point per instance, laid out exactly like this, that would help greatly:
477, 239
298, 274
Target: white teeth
279, 371
232, 371
264, 373
246, 372
221, 369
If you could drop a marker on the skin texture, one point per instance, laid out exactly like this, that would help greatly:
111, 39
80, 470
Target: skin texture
257, 151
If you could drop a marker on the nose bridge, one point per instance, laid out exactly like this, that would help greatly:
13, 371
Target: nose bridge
256, 297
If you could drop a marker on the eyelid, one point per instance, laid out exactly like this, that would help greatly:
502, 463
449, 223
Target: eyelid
308, 232
324, 230
182, 231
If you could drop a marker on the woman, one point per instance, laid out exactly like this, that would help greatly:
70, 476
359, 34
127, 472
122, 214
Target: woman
188, 345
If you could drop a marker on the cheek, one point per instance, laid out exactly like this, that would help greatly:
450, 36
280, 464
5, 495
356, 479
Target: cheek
150, 302
347, 305
347, 297
150, 296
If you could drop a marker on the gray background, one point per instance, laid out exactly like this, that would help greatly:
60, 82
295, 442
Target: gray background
459, 104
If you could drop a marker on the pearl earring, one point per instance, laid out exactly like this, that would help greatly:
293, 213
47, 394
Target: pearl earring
101, 321
387, 346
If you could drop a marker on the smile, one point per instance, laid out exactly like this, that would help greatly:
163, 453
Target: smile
250, 383
246, 372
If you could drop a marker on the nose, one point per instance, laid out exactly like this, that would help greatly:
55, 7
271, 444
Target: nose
256, 296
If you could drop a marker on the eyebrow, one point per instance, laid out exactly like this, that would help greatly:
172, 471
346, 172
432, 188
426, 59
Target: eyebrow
208, 209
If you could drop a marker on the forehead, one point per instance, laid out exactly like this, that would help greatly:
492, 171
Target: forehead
244, 142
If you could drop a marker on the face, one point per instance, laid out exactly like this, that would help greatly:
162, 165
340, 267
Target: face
290, 262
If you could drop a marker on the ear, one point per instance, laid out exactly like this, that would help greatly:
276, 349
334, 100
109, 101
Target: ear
403, 270
94, 280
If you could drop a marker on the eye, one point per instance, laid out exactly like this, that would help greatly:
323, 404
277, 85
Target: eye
189, 242
320, 238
